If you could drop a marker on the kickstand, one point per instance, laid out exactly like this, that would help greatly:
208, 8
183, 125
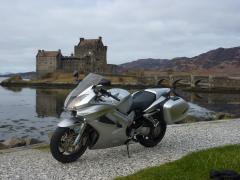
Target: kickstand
128, 150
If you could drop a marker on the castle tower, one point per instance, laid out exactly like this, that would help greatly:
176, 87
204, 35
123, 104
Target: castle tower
95, 49
47, 62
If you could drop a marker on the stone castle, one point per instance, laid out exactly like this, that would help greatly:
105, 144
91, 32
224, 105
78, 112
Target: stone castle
90, 55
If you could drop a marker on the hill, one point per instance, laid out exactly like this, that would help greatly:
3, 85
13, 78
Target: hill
25, 75
218, 61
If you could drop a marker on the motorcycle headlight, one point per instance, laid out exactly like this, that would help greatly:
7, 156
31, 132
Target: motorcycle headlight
76, 102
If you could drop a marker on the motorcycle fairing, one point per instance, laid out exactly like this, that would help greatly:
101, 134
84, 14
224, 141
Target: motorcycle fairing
114, 134
89, 81
119, 112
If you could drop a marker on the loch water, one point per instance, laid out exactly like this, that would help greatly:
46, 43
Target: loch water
35, 112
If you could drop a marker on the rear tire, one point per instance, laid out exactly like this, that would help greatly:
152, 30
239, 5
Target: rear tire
55, 146
152, 139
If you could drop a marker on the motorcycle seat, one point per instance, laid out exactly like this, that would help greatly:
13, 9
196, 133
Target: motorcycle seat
142, 100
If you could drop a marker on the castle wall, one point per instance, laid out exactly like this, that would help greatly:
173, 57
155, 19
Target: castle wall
100, 59
80, 52
112, 69
46, 65
82, 65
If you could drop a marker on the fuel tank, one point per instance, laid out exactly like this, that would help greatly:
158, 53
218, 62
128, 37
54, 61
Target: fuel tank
125, 99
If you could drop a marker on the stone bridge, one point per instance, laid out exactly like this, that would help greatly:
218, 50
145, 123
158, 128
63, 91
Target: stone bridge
189, 80
195, 81
175, 80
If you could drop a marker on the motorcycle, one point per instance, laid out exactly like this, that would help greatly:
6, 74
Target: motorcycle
96, 118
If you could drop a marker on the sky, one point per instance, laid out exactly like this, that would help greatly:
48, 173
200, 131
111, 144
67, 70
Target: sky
132, 29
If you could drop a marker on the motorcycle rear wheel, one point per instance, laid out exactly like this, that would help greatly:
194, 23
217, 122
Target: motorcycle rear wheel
61, 145
155, 136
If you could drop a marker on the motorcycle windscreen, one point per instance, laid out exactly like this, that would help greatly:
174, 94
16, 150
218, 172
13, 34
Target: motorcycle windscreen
90, 80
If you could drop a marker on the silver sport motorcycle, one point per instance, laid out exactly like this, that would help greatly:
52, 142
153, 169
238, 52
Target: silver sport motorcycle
97, 118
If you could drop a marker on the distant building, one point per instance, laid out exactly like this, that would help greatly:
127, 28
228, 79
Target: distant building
90, 55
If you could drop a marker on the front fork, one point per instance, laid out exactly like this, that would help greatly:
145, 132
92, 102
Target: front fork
74, 122
82, 129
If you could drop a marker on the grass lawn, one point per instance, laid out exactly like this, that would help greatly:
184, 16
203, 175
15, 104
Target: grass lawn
195, 165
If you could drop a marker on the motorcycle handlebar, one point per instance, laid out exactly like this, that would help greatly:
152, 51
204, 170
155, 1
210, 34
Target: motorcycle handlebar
114, 97
103, 91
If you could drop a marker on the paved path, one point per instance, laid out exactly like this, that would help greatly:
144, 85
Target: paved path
108, 163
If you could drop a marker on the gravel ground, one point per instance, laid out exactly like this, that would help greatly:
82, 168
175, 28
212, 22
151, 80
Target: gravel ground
112, 162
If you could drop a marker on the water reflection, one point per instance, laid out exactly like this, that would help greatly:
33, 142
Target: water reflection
49, 102
219, 102
212, 98
14, 89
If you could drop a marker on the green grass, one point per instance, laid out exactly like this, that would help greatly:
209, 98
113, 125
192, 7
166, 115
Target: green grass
195, 166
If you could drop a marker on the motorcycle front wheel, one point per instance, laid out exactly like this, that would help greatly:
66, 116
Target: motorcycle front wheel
155, 135
62, 145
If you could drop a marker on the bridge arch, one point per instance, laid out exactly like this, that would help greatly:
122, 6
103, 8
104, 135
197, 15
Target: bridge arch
196, 83
160, 82
180, 80
175, 82
202, 80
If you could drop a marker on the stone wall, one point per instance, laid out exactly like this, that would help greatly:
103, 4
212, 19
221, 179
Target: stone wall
225, 82
82, 65
47, 64
111, 69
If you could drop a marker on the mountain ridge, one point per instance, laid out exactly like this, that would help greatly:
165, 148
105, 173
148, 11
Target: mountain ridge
25, 75
220, 60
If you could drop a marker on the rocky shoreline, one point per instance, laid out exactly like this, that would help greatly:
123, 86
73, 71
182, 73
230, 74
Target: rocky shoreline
18, 142
199, 114
16, 81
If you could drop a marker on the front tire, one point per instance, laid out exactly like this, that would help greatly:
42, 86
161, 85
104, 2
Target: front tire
59, 150
155, 136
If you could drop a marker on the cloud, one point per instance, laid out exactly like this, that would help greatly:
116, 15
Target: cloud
132, 29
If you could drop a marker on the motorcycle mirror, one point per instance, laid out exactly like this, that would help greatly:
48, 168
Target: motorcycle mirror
97, 87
